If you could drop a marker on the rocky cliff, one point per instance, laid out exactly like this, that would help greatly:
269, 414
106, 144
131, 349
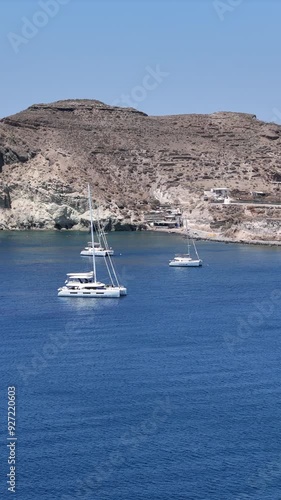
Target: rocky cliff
135, 162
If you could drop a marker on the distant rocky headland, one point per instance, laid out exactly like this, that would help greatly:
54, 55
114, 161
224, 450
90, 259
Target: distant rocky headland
138, 164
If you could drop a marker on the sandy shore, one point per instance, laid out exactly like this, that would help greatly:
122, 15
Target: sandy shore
217, 238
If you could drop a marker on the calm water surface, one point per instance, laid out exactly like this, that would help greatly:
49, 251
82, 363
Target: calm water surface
171, 393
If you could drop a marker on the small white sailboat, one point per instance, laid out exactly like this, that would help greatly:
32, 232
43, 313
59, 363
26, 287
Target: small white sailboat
85, 284
186, 260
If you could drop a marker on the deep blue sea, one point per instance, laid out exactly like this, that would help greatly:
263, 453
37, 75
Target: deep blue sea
170, 393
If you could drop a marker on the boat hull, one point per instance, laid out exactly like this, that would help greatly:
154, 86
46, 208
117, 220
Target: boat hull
110, 293
98, 253
193, 263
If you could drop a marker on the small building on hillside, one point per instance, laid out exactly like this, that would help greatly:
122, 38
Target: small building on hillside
165, 217
258, 194
217, 192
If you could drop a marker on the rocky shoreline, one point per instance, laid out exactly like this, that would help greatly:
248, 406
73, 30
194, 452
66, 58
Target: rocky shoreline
216, 239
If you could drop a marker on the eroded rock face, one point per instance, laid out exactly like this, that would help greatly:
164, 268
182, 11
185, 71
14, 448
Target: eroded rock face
133, 162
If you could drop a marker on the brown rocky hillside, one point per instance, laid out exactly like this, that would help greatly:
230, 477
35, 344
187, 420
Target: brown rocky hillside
135, 162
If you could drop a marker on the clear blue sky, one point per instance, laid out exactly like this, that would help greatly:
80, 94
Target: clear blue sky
103, 49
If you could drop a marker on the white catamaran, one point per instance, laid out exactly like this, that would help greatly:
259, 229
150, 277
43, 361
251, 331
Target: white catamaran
101, 246
99, 250
85, 284
186, 260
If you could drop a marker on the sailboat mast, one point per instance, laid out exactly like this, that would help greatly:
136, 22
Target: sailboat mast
105, 243
99, 227
187, 235
196, 250
92, 231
